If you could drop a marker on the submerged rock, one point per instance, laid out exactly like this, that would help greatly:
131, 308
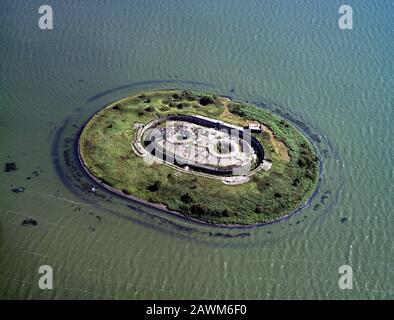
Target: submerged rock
29, 222
89, 188
343, 220
10, 166
18, 189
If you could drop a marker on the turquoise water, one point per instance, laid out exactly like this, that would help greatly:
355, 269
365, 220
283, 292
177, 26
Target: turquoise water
289, 56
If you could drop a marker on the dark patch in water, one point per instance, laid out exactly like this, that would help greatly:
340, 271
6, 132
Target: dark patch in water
323, 199
10, 166
343, 220
325, 153
18, 189
165, 221
228, 235
56, 159
29, 222
35, 173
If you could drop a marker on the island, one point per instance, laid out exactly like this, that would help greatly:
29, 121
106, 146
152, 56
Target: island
203, 156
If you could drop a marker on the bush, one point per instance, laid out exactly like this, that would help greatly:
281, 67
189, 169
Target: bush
296, 182
206, 100
164, 108
186, 198
309, 175
301, 162
259, 209
236, 109
199, 210
154, 187
183, 105
227, 213
150, 109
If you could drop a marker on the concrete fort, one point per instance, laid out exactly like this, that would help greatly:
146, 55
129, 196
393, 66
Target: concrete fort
202, 144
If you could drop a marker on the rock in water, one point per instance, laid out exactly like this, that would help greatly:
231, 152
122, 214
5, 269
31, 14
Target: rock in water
10, 166
29, 222
18, 189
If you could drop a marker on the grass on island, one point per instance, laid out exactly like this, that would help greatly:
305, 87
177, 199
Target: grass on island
105, 148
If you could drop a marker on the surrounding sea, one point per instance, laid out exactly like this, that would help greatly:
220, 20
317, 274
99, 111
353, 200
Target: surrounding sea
288, 56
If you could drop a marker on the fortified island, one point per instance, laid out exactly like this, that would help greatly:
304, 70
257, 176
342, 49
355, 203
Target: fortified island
203, 156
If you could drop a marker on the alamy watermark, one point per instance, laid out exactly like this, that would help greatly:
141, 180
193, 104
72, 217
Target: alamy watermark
346, 279
45, 22
45, 282
345, 21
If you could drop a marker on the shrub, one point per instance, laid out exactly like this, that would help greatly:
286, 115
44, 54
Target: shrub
186, 198
182, 105
259, 209
150, 109
309, 175
236, 109
125, 192
296, 182
301, 162
154, 187
198, 210
206, 100
227, 213
164, 108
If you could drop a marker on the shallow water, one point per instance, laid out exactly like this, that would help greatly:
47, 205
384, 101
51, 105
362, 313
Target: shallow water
286, 56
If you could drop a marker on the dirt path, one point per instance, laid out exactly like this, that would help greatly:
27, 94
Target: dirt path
279, 146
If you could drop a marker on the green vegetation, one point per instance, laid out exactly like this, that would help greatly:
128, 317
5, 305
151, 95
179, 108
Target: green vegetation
105, 149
